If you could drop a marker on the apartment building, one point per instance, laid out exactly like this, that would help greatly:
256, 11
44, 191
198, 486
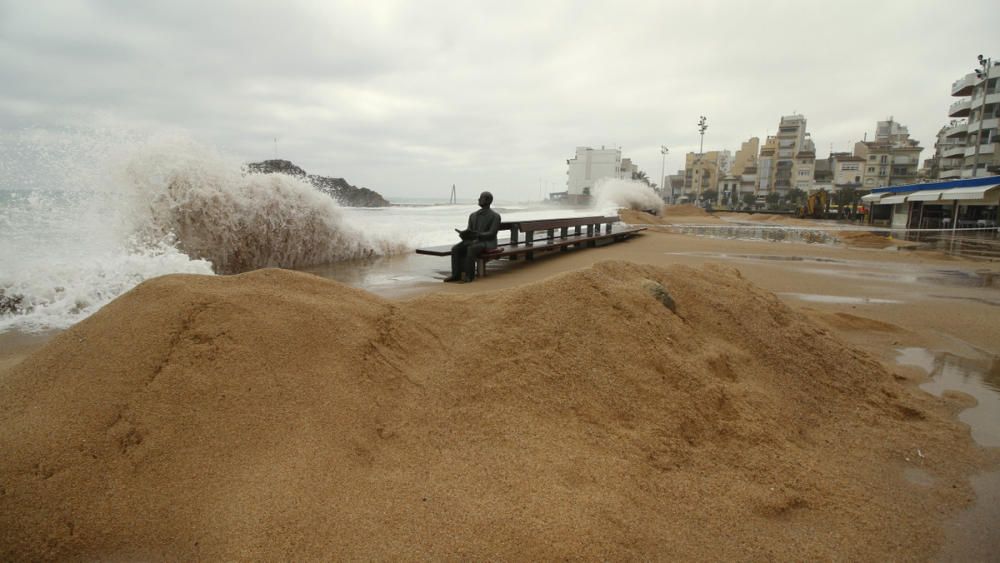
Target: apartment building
978, 114
787, 160
846, 170
892, 159
702, 172
590, 165
949, 152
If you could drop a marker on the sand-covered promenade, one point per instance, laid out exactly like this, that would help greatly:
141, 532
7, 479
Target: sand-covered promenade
670, 397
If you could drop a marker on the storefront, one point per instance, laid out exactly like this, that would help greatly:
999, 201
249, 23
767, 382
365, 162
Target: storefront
958, 204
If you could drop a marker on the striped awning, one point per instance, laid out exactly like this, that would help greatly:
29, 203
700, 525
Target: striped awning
927, 195
978, 192
893, 199
872, 197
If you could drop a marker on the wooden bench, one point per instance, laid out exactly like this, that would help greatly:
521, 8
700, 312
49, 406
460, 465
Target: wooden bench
540, 235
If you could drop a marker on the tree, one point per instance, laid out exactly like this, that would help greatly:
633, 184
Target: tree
846, 198
750, 200
641, 176
772, 199
710, 195
796, 196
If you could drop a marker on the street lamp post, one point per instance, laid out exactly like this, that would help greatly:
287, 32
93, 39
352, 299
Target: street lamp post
702, 126
663, 179
984, 75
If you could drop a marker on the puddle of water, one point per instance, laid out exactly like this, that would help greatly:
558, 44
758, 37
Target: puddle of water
814, 298
980, 379
973, 534
759, 232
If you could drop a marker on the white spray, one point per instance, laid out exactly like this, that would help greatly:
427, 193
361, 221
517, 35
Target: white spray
611, 193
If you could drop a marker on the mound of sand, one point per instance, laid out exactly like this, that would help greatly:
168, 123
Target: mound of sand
622, 411
684, 211
867, 239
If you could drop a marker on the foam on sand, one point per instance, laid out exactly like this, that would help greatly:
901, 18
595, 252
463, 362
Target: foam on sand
617, 412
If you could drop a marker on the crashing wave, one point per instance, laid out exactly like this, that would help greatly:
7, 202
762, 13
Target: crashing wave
214, 211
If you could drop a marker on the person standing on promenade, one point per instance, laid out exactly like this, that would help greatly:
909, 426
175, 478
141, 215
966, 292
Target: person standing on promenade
480, 235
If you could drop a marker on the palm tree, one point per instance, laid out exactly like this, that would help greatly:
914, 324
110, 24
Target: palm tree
641, 176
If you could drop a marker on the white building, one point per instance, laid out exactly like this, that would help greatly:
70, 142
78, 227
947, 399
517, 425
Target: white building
590, 165
975, 139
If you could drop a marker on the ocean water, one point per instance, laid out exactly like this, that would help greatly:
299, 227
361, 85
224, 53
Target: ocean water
71, 243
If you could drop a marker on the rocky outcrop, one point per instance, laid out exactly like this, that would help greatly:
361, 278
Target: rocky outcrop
338, 188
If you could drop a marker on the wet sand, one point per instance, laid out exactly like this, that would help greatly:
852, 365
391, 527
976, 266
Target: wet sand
878, 300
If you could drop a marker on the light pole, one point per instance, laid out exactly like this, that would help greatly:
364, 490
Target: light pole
663, 179
984, 75
702, 126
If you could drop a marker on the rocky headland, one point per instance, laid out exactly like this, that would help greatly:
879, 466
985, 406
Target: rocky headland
338, 188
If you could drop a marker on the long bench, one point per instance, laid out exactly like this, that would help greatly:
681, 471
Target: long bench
540, 235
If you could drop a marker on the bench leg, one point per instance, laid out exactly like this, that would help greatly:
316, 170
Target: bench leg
481, 264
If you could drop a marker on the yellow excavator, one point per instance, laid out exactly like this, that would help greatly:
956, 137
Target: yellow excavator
815, 207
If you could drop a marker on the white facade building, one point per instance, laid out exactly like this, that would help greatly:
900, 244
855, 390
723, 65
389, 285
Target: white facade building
587, 167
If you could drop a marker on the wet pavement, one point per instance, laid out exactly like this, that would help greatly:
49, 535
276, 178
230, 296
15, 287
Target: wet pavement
973, 534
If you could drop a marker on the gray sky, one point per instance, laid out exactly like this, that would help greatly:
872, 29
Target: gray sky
408, 98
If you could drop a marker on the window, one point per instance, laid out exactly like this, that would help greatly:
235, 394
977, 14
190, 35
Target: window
871, 169
872, 158
884, 159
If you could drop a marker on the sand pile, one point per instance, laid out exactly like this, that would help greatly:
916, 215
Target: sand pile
622, 411
684, 211
867, 239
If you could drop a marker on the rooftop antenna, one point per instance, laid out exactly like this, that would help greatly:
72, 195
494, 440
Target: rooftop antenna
454, 198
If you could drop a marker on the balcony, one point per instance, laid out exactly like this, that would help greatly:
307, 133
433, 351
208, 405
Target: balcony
958, 130
970, 151
953, 151
952, 173
976, 102
963, 86
988, 123
960, 108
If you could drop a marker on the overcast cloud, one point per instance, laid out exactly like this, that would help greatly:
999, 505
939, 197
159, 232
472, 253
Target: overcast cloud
408, 98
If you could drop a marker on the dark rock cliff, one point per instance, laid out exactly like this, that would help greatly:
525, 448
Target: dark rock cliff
338, 188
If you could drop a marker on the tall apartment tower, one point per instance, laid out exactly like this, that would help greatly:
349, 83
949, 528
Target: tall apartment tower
977, 133
789, 158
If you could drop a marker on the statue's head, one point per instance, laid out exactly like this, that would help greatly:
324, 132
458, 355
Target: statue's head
485, 199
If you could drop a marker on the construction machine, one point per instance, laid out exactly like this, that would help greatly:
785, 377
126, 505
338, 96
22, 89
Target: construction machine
815, 206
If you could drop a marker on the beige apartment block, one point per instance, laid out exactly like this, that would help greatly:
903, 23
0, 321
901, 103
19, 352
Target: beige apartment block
847, 170
746, 157
702, 172
892, 159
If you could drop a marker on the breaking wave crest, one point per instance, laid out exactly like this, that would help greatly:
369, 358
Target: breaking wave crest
627, 194
215, 211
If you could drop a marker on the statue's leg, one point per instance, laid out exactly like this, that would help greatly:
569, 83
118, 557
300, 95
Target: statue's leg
471, 255
458, 253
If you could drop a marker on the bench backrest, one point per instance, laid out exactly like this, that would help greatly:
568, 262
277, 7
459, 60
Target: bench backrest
545, 224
